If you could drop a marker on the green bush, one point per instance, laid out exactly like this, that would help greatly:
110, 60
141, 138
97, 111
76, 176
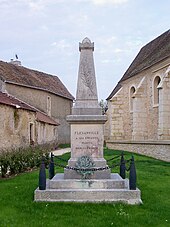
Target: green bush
19, 160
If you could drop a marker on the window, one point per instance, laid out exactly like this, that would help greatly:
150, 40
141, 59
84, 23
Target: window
49, 105
156, 83
132, 92
55, 132
31, 132
16, 118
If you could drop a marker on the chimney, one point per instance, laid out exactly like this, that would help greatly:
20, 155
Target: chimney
16, 61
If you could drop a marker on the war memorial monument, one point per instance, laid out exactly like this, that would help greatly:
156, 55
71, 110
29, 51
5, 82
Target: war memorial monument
87, 177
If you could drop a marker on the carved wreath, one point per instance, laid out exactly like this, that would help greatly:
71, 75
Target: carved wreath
84, 166
86, 76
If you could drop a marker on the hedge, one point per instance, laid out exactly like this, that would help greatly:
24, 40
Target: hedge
19, 160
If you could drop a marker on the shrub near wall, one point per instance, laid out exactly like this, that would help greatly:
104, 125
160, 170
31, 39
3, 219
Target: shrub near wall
22, 159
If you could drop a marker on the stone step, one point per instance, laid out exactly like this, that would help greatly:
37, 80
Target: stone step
115, 182
88, 195
114, 189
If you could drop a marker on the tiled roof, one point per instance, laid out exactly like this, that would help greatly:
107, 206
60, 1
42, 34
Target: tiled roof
44, 118
32, 78
115, 90
16, 103
12, 101
152, 53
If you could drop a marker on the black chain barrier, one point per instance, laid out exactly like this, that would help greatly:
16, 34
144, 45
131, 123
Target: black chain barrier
62, 159
127, 161
82, 169
91, 169
122, 164
118, 156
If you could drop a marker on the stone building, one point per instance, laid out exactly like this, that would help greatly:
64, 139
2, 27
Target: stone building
139, 106
22, 125
40, 90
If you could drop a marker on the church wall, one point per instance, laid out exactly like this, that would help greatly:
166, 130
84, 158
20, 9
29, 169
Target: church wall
114, 124
148, 121
164, 106
141, 123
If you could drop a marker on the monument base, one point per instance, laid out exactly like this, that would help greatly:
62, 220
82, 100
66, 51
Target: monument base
114, 189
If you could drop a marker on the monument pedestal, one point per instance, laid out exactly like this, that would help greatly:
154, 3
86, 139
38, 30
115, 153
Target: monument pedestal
87, 140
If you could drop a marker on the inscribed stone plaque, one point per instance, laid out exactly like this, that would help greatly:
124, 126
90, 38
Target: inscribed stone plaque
87, 140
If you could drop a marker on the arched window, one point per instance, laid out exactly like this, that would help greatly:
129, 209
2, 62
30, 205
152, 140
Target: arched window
132, 91
156, 82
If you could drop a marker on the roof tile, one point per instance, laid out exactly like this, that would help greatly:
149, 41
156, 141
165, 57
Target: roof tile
32, 78
16, 103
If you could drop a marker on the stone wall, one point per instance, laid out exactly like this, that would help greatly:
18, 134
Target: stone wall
19, 128
14, 127
46, 133
60, 107
158, 150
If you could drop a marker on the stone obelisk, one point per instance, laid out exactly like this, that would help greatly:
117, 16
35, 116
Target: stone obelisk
86, 97
87, 121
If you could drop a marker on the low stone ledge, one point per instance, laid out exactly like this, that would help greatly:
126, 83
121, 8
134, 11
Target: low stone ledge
150, 142
156, 149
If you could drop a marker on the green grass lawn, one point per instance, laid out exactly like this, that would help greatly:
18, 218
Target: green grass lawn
17, 207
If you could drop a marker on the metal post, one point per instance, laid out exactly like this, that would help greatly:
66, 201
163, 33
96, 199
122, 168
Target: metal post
122, 167
132, 175
42, 176
51, 167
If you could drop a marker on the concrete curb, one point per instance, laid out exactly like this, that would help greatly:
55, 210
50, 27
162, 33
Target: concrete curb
61, 151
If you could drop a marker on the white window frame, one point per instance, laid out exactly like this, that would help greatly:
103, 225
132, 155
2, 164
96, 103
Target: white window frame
131, 98
155, 90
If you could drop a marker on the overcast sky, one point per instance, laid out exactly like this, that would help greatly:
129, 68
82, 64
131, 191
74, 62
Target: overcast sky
45, 34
